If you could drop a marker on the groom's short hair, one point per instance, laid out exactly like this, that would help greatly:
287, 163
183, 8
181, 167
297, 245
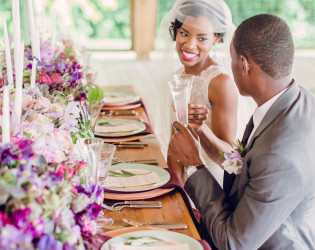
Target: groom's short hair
268, 41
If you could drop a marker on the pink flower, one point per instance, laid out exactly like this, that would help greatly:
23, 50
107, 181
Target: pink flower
4, 219
43, 103
61, 170
27, 102
70, 173
74, 189
44, 79
56, 78
88, 227
81, 164
65, 139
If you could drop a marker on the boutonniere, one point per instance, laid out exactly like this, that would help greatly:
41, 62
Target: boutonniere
233, 162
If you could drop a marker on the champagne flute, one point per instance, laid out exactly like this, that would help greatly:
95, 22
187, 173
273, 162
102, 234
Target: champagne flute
180, 89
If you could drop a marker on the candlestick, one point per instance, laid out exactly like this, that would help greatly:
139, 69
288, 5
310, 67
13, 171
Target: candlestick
8, 54
6, 116
19, 86
16, 32
32, 27
33, 78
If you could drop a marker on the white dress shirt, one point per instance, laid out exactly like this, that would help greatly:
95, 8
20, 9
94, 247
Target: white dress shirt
261, 111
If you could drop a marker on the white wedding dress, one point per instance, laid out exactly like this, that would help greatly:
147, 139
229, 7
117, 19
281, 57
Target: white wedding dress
199, 94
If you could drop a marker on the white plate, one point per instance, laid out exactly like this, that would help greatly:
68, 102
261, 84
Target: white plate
119, 98
172, 236
139, 127
162, 173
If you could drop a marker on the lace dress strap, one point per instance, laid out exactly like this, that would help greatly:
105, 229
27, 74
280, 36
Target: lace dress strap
199, 91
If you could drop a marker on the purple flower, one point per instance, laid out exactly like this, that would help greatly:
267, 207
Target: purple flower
93, 211
48, 242
77, 75
68, 246
11, 236
7, 154
25, 146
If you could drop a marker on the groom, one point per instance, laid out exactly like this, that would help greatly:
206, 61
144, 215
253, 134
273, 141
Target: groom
271, 204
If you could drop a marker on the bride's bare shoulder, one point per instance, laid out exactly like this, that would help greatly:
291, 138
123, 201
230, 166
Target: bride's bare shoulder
222, 86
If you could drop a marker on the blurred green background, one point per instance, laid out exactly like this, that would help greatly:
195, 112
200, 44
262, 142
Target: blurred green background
97, 21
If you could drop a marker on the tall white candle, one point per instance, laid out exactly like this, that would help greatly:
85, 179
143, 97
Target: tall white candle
38, 45
32, 27
6, 116
8, 54
43, 20
33, 77
16, 31
19, 85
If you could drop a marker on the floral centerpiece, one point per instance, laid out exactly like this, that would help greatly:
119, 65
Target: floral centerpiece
43, 200
42, 205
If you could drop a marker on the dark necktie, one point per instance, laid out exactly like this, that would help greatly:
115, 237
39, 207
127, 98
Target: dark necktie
248, 131
229, 178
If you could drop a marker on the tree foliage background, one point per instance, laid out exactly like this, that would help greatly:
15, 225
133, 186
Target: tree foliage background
114, 22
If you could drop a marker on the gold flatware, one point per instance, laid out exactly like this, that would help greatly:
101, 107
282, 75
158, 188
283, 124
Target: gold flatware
147, 161
129, 146
130, 143
168, 225
119, 112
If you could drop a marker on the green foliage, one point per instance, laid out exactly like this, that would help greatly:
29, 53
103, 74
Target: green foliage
95, 95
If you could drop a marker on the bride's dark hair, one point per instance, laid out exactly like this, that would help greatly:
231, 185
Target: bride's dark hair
193, 10
177, 24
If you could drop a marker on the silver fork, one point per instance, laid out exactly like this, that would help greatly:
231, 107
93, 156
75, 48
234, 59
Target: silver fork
134, 204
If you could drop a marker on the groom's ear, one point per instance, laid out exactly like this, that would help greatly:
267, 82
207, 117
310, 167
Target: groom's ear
245, 65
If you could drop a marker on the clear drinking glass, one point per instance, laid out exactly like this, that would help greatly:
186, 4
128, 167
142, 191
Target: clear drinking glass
90, 150
180, 89
91, 112
107, 153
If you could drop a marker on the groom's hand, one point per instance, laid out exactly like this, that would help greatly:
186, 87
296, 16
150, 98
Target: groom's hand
186, 146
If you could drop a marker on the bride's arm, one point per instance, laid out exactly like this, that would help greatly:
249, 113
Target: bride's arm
223, 98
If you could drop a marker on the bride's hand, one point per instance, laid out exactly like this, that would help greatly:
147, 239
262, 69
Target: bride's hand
197, 114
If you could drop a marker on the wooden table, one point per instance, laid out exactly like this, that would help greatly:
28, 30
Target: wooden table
173, 209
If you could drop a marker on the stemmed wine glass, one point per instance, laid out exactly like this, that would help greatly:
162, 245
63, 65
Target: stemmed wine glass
90, 149
91, 112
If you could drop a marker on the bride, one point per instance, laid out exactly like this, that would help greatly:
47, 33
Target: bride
197, 27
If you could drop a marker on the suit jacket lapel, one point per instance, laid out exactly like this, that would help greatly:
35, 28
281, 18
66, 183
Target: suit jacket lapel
275, 110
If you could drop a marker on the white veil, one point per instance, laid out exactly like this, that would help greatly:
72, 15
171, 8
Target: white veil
220, 17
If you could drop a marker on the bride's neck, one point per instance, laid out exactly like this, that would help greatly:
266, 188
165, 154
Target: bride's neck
199, 67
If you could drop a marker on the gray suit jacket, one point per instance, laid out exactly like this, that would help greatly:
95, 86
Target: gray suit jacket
271, 204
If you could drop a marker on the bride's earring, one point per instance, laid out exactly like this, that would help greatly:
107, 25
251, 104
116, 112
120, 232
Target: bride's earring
214, 55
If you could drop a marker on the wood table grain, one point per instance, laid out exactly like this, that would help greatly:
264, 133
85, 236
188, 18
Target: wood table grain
173, 209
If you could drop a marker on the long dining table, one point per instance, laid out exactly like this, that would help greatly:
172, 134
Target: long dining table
173, 207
